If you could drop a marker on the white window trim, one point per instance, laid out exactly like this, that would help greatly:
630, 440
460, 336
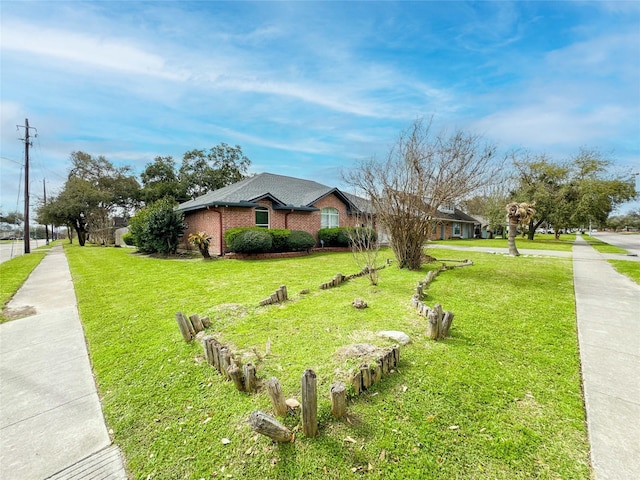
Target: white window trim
262, 209
329, 213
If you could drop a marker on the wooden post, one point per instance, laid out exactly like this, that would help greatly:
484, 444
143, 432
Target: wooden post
338, 399
384, 361
267, 425
284, 292
447, 320
196, 322
184, 328
206, 322
356, 383
277, 398
236, 375
207, 349
250, 380
225, 361
377, 371
396, 355
309, 404
366, 377
434, 321
217, 361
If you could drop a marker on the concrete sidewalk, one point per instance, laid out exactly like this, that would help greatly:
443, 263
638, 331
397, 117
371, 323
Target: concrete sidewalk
608, 313
51, 420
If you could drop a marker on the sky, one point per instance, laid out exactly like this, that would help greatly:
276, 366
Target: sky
310, 88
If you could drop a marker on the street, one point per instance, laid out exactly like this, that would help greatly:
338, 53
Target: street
9, 250
628, 241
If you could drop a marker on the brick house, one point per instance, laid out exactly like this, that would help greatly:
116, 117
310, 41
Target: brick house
271, 201
451, 222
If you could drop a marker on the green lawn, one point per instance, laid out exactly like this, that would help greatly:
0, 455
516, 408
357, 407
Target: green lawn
14, 272
500, 398
629, 268
540, 242
603, 247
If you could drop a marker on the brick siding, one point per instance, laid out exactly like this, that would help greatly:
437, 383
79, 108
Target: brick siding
208, 220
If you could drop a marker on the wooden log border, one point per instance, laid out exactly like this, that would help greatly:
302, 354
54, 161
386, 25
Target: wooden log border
192, 325
279, 296
368, 374
339, 278
230, 366
439, 322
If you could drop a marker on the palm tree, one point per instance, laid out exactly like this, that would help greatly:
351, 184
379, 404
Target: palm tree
202, 241
518, 214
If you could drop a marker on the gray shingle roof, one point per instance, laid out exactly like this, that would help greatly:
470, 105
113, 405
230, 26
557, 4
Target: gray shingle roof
457, 216
283, 190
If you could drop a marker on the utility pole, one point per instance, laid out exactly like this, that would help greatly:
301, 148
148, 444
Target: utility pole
46, 227
27, 144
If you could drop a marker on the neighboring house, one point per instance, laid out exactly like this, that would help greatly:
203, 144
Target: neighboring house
270, 201
450, 222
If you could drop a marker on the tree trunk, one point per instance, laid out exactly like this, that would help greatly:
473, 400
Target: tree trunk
532, 230
82, 235
513, 231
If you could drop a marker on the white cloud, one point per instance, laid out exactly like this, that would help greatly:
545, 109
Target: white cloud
83, 48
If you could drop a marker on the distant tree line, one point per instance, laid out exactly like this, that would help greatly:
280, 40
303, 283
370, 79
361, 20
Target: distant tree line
571, 193
96, 191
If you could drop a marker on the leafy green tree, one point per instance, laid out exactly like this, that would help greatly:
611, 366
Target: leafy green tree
12, 218
571, 193
202, 171
544, 182
160, 179
157, 228
597, 194
95, 191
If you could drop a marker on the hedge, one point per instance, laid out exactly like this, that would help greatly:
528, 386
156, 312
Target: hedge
281, 240
300, 240
252, 241
340, 236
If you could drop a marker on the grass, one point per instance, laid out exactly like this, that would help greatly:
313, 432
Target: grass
540, 242
629, 268
500, 398
14, 272
603, 247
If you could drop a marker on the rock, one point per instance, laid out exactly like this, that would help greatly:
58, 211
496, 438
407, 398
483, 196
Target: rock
359, 303
400, 337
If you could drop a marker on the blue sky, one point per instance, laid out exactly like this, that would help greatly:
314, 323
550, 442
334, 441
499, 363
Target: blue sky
308, 88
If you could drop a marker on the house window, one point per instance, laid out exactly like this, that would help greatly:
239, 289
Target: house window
262, 217
329, 218
456, 229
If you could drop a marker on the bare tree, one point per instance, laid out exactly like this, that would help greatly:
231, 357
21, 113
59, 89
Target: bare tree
364, 245
421, 173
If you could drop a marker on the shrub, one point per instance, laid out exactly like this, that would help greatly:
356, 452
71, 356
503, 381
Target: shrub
341, 236
279, 238
366, 236
300, 240
231, 234
157, 228
334, 237
252, 241
329, 236
127, 238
